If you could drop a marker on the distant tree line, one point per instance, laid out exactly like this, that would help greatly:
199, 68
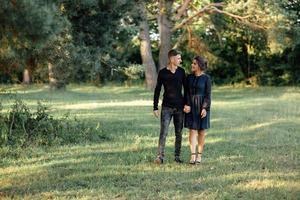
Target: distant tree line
96, 41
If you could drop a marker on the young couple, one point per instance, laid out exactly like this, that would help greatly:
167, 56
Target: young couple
191, 109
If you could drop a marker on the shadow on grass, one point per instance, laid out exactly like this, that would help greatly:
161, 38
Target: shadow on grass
245, 157
131, 174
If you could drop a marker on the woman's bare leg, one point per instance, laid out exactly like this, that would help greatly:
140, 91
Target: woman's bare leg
201, 140
193, 143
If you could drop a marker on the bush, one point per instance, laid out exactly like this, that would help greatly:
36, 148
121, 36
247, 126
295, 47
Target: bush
21, 127
134, 72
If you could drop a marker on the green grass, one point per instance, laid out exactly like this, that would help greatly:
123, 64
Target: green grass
252, 150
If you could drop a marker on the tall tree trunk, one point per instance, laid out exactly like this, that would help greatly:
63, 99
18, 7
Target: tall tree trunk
165, 27
52, 79
30, 65
145, 50
26, 76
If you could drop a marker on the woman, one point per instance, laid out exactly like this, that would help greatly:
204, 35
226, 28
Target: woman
197, 117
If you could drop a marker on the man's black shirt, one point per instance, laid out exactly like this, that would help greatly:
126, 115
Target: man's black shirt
173, 84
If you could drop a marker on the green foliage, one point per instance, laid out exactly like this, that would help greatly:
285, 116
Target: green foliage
84, 40
242, 52
91, 41
28, 26
134, 72
102, 33
281, 69
29, 29
21, 127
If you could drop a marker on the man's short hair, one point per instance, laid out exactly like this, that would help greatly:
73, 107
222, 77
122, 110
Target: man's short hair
173, 52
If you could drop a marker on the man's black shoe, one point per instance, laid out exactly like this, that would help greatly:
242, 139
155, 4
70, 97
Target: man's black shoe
178, 160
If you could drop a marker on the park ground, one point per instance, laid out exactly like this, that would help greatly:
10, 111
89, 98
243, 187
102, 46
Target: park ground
252, 150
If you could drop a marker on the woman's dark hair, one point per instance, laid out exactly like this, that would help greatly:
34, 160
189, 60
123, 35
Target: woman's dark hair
202, 63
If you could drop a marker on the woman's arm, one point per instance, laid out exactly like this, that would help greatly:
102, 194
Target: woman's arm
207, 98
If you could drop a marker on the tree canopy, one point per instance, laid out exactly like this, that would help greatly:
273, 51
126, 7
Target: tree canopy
95, 41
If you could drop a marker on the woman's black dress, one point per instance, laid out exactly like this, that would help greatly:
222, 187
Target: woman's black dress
198, 97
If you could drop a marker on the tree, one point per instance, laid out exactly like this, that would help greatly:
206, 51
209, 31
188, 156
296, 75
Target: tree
165, 30
26, 28
248, 21
175, 18
281, 66
145, 48
100, 32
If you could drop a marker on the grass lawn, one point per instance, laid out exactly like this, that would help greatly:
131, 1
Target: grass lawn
252, 150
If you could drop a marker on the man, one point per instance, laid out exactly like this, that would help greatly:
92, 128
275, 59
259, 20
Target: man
173, 79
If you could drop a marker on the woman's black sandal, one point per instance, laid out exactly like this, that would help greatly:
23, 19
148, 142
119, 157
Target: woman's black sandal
192, 162
198, 161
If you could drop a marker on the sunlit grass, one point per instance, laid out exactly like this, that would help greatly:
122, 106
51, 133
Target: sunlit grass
105, 105
252, 149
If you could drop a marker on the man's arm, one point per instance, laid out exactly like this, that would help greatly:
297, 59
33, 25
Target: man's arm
157, 93
186, 91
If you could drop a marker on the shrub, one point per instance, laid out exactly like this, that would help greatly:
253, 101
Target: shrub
134, 72
21, 127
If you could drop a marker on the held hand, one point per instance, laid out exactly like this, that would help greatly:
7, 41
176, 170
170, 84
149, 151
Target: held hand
187, 109
203, 113
156, 113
